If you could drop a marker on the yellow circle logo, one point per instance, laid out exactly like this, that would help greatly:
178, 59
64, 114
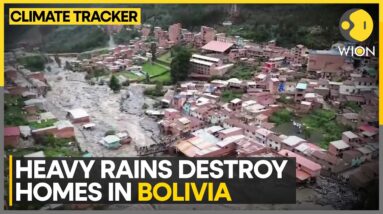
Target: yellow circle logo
359, 51
356, 25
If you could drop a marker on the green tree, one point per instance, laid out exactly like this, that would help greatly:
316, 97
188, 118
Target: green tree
33, 63
159, 87
58, 60
281, 116
114, 84
179, 67
110, 132
147, 78
68, 66
307, 132
153, 50
125, 35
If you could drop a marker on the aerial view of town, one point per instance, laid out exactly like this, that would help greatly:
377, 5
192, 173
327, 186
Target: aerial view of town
202, 81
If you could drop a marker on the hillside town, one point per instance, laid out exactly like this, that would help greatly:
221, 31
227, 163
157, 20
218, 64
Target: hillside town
240, 99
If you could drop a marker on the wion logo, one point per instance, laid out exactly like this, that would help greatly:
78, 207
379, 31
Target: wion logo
356, 25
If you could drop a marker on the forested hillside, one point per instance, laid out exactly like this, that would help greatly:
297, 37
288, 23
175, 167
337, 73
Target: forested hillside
315, 26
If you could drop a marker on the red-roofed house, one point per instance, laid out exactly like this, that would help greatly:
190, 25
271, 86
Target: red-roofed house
11, 136
217, 46
306, 170
248, 146
230, 132
368, 133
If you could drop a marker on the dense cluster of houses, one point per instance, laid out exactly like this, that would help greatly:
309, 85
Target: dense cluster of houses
311, 79
218, 52
207, 127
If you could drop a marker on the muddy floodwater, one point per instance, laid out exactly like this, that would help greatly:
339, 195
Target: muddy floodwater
108, 110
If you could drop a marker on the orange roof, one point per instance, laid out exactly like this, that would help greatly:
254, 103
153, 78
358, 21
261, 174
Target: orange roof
217, 46
301, 160
301, 175
11, 131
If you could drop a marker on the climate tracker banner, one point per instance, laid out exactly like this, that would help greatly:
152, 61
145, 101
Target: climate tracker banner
152, 180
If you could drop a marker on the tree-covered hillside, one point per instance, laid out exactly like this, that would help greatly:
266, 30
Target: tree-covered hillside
315, 26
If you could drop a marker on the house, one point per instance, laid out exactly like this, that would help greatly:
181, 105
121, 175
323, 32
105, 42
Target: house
368, 133
247, 147
195, 124
11, 136
352, 157
200, 112
78, 115
261, 118
261, 135
171, 113
60, 129
88, 126
217, 47
124, 137
348, 119
325, 63
306, 170
289, 87
214, 130
202, 67
175, 32
180, 126
38, 154
207, 34
274, 142
351, 139
337, 148
40, 86
366, 153
300, 91
166, 100
183, 124
299, 54
254, 109
10, 73
251, 87
202, 144
218, 117
235, 104
292, 141
29, 95
307, 149
229, 132
188, 37
39, 103
110, 142
25, 131
304, 106
330, 163
44, 116
235, 83
249, 130
65, 129
228, 145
